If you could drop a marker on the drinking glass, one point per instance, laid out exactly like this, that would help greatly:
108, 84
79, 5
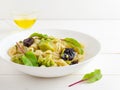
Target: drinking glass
25, 20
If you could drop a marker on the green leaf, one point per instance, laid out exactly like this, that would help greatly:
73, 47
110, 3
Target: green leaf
89, 77
75, 44
17, 58
73, 41
26, 61
93, 76
28, 58
80, 50
32, 58
46, 61
39, 35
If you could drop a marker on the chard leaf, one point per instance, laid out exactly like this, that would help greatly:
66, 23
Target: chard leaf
32, 58
26, 61
93, 76
89, 77
75, 44
28, 58
73, 41
39, 35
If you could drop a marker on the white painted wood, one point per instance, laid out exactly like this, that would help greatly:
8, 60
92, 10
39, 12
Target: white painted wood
63, 9
25, 82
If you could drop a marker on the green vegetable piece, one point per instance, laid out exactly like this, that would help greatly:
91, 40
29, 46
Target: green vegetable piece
90, 77
93, 76
46, 45
40, 60
75, 44
39, 35
80, 50
32, 58
17, 58
52, 63
47, 61
44, 62
28, 58
26, 61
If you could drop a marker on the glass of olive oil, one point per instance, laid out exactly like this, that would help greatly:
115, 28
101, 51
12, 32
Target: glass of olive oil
25, 21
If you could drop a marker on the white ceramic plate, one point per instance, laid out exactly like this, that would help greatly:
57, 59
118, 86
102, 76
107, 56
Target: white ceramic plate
92, 47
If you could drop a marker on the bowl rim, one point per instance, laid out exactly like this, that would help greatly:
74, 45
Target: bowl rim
31, 30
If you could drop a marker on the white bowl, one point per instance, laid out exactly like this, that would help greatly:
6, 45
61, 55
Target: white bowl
92, 47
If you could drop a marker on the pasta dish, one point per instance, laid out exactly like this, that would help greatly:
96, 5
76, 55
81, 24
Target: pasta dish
41, 50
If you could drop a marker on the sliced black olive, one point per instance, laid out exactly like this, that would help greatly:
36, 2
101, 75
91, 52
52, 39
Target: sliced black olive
74, 62
28, 42
68, 54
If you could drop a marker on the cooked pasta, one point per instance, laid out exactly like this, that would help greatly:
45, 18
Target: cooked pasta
43, 50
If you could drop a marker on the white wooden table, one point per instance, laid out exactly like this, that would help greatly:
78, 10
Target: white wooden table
106, 31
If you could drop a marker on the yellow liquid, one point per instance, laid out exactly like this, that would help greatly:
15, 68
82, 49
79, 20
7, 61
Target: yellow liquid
25, 23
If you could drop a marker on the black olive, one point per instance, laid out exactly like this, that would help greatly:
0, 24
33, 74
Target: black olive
74, 62
68, 54
28, 42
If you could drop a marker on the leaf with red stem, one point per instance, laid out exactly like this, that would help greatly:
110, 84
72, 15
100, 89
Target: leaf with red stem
76, 83
89, 77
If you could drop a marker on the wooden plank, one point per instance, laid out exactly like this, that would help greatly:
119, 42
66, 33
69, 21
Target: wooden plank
25, 82
108, 63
